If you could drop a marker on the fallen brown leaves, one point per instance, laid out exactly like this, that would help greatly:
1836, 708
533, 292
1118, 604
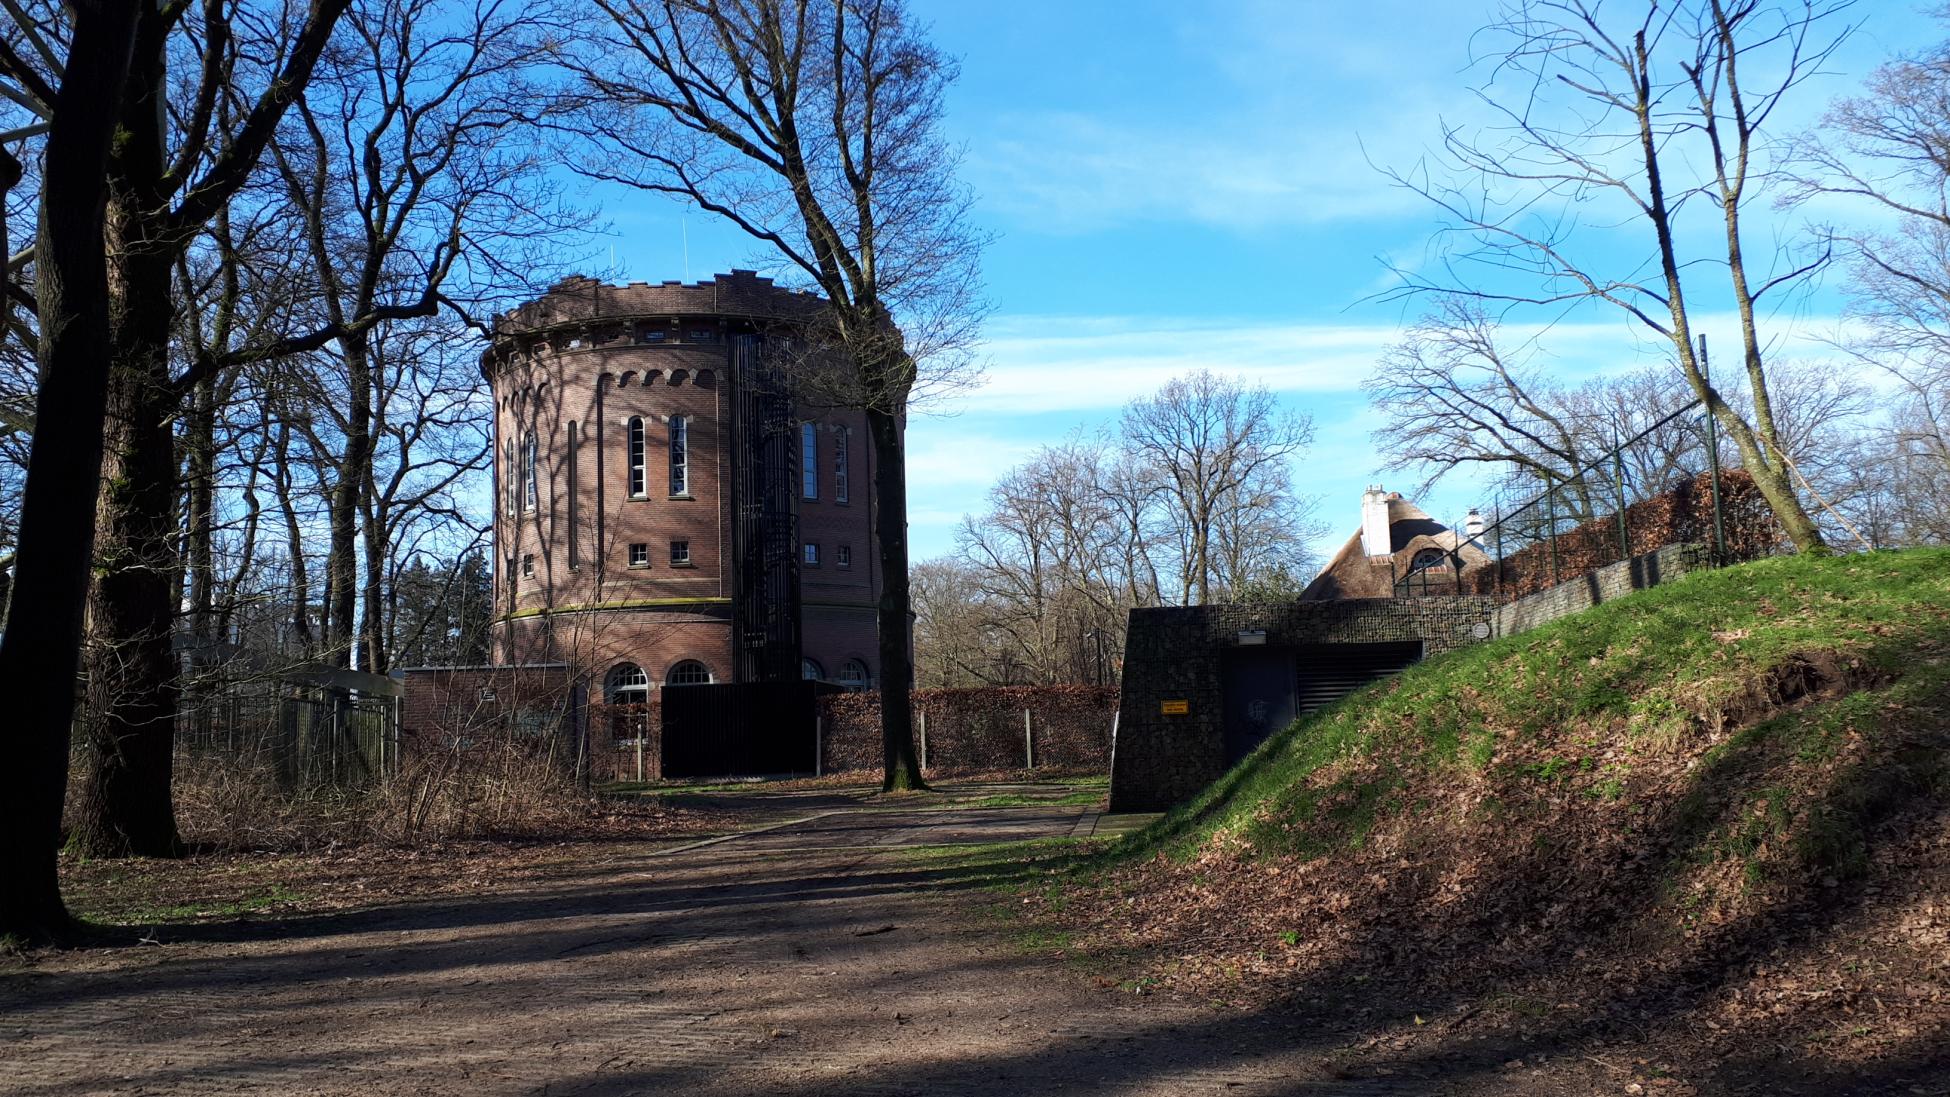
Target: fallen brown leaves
1658, 900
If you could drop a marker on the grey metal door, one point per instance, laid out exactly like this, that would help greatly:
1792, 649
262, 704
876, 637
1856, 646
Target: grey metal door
1260, 697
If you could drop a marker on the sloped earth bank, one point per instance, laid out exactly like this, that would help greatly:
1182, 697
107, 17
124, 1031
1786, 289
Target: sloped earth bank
818, 957
1699, 838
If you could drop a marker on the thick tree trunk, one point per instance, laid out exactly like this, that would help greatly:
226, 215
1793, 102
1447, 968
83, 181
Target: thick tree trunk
40, 652
124, 805
896, 620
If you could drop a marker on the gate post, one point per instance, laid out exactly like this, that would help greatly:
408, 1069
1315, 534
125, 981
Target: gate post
819, 743
924, 740
1028, 741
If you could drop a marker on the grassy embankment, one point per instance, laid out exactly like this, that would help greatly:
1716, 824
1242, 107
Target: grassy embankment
1715, 811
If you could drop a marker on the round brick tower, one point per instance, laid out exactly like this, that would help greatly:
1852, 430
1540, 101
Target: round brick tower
664, 511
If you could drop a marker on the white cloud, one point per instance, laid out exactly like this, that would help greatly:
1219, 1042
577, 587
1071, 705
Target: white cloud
1045, 364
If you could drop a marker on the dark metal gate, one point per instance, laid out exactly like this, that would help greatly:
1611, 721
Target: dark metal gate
739, 729
1261, 697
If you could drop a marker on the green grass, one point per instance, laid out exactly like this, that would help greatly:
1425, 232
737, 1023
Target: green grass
1079, 798
1641, 674
140, 913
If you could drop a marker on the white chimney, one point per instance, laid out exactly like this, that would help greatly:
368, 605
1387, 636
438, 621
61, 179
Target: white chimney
1375, 540
1473, 524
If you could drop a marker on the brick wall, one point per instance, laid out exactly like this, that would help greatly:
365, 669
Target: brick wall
974, 730
1603, 585
443, 706
1174, 654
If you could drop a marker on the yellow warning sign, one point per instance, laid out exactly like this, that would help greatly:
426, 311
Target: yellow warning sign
1175, 708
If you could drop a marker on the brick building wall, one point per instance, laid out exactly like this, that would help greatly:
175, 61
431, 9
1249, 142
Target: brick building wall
585, 566
1175, 654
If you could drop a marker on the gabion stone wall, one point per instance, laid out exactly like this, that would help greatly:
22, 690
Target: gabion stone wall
974, 730
1603, 585
1174, 654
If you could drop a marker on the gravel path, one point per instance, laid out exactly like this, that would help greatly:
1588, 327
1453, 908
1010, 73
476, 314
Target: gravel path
805, 958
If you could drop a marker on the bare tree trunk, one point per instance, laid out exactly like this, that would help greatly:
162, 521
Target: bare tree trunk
124, 804
342, 564
903, 768
37, 664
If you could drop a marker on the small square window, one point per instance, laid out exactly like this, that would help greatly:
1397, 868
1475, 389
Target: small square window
680, 552
640, 554
812, 553
843, 556
528, 565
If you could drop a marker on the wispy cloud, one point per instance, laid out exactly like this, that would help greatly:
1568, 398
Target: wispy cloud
1045, 364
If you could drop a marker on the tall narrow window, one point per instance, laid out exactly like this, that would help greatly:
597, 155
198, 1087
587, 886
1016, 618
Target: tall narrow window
809, 460
680, 455
638, 482
841, 444
528, 489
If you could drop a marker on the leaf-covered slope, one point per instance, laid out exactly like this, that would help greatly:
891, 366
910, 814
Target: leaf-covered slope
1716, 803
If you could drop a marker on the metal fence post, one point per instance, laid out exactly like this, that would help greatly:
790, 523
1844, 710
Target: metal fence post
1499, 546
1618, 475
924, 739
1028, 741
819, 743
1550, 516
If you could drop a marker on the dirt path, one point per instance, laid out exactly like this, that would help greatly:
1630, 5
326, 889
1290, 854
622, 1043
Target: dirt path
759, 964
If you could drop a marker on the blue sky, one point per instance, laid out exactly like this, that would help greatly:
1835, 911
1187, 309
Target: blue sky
1181, 185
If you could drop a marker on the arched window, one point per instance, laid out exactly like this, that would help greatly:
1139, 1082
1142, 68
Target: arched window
680, 455
690, 672
854, 673
528, 461
1428, 558
638, 482
810, 670
809, 460
626, 684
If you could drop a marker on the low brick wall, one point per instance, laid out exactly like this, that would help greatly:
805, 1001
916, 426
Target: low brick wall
1603, 585
970, 730
439, 705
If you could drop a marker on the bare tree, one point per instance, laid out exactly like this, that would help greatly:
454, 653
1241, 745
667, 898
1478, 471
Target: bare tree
1885, 148
813, 126
1639, 121
41, 648
1209, 449
1453, 397
175, 168
407, 163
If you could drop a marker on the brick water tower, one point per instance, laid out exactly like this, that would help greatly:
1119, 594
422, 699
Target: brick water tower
666, 511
